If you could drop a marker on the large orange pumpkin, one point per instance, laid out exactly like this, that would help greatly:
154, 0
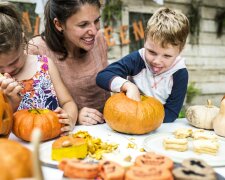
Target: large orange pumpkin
132, 117
26, 120
16, 160
6, 116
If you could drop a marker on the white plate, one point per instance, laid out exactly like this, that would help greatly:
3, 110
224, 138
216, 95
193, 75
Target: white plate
154, 143
45, 155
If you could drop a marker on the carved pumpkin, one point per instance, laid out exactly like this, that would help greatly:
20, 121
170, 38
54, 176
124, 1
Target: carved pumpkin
201, 116
132, 117
26, 120
16, 160
6, 116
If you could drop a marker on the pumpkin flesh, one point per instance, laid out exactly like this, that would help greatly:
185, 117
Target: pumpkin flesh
132, 117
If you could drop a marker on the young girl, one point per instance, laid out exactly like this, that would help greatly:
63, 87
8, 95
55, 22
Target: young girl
30, 81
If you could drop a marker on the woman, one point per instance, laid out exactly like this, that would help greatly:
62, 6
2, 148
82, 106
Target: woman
73, 41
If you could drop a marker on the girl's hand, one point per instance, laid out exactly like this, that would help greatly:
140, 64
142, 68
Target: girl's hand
89, 116
11, 89
65, 119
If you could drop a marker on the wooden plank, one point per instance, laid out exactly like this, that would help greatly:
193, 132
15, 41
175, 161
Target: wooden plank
202, 99
211, 39
206, 62
208, 12
208, 26
201, 75
214, 3
211, 87
204, 51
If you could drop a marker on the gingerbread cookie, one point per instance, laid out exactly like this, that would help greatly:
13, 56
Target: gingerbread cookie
152, 159
147, 173
111, 171
75, 168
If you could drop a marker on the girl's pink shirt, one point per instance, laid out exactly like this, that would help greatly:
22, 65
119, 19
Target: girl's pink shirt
79, 74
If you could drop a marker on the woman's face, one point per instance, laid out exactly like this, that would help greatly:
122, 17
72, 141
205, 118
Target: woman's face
12, 62
81, 28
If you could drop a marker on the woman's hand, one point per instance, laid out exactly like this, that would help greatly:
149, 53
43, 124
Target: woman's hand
65, 119
89, 116
11, 89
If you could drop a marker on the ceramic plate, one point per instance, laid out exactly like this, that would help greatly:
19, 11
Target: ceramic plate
46, 151
154, 142
45, 155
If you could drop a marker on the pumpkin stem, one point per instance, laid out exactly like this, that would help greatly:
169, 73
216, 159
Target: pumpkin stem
209, 103
38, 111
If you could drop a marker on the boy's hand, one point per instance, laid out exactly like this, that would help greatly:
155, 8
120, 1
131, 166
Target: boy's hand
65, 119
89, 116
131, 90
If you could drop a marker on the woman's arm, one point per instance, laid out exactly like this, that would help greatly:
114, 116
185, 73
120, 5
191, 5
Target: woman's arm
70, 113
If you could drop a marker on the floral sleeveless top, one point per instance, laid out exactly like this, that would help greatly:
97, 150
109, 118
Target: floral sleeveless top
38, 92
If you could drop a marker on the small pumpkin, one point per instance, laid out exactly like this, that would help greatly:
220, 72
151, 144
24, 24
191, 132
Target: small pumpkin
201, 116
6, 116
26, 120
219, 120
16, 160
132, 117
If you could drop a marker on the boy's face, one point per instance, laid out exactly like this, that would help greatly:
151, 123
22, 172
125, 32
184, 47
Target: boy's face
158, 58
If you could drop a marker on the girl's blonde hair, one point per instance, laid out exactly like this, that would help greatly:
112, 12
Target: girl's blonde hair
11, 33
168, 27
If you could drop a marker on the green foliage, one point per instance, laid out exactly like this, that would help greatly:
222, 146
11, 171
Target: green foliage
182, 113
112, 11
194, 16
192, 92
220, 20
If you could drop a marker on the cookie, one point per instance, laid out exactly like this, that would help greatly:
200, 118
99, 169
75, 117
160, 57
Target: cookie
111, 171
175, 144
74, 168
206, 147
204, 135
148, 172
197, 165
182, 133
183, 173
194, 169
152, 159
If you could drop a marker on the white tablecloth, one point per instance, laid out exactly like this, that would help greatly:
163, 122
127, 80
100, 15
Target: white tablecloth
107, 134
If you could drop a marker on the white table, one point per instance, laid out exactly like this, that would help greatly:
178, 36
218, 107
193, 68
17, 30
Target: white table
107, 134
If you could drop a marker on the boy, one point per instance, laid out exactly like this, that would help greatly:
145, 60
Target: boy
156, 70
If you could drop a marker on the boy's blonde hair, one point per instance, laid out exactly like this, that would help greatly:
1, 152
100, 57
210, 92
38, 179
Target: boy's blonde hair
168, 26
